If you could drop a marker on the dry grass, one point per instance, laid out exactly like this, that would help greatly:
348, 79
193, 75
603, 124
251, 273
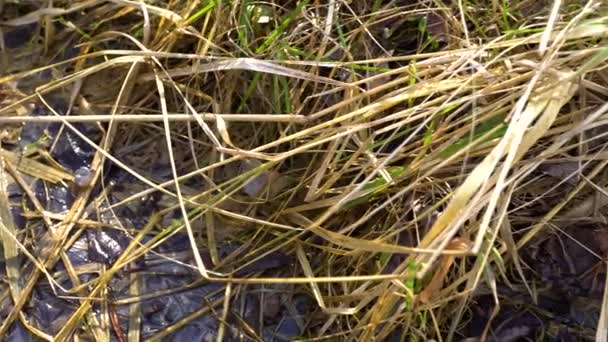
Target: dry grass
387, 148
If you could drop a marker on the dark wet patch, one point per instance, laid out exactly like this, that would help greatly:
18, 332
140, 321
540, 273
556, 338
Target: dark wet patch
83, 177
50, 311
106, 245
15, 199
33, 132
566, 259
15, 37
291, 321
72, 151
270, 261
59, 198
520, 319
163, 311
202, 329
567, 266
278, 315
65, 145
30, 82
18, 333
78, 252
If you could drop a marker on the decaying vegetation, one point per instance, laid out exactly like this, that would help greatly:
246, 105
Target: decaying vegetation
317, 170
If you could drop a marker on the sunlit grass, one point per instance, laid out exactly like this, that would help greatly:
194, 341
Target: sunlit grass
380, 148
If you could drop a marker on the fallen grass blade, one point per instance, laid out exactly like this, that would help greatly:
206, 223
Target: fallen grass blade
35, 168
385, 134
8, 235
602, 327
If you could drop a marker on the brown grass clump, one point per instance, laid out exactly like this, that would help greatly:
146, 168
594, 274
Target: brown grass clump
365, 170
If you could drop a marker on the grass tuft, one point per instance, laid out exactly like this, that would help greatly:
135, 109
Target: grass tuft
362, 170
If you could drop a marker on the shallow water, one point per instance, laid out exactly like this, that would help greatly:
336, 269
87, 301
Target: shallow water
276, 315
